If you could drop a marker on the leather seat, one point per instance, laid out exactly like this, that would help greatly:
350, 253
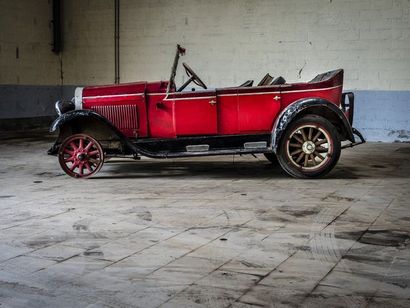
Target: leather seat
247, 83
278, 81
265, 80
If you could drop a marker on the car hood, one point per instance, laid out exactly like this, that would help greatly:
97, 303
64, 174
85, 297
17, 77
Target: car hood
140, 87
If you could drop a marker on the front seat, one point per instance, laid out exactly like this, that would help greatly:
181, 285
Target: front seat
278, 81
247, 83
265, 80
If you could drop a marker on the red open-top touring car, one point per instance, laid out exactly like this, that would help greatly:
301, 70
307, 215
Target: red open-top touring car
300, 126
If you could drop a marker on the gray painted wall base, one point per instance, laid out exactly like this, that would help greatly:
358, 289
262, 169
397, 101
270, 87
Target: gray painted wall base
379, 115
383, 115
26, 123
19, 101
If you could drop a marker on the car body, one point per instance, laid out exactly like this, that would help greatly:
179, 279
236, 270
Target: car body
155, 119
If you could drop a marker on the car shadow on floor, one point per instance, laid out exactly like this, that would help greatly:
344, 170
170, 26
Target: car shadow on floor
257, 169
192, 168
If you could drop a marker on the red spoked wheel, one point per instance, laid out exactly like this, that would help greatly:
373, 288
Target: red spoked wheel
81, 156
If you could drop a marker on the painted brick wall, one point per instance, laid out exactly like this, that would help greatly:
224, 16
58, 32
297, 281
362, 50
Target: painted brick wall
88, 56
25, 44
234, 40
32, 77
29, 72
228, 42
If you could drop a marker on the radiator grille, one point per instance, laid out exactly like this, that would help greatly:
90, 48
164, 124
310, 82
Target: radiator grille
122, 116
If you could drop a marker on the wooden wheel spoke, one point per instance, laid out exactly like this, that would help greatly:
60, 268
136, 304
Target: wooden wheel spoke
81, 143
87, 165
294, 145
313, 160
300, 157
73, 166
92, 153
317, 154
68, 151
73, 145
321, 142
296, 152
298, 139
316, 136
321, 149
305, 164
89, 145
310, 133
81, 168
303, 134
70, 159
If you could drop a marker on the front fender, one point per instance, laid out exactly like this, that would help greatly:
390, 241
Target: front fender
80, 114
71, 118
81, 120
311, 105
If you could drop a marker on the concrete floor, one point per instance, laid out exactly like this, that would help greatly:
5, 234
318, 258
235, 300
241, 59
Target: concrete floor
212, 232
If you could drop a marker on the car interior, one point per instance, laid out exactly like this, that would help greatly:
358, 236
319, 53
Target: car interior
266, 80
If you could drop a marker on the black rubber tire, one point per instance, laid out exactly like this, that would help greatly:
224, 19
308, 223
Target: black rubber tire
332, 157
272, 158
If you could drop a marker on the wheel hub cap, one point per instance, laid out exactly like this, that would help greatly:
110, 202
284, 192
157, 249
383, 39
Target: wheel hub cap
308, 147
81, 156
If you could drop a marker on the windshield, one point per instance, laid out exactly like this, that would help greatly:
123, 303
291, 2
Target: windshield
180, 52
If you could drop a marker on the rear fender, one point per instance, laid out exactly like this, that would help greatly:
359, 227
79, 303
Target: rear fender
316, 106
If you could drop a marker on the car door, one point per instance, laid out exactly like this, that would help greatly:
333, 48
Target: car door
257, 109
195, 113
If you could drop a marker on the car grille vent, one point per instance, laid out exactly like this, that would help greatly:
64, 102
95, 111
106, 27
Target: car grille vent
122, 116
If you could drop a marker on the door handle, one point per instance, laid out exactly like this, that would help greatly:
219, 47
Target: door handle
212, 102
276, 98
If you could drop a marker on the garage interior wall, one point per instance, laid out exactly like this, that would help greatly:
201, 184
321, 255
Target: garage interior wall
227, 42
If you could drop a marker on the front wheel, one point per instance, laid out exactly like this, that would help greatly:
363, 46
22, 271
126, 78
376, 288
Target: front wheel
309, 148
80, 156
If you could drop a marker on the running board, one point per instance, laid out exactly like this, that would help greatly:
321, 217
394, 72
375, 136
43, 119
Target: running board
202, 145
255, 145
215, 152
197, 148
246, 145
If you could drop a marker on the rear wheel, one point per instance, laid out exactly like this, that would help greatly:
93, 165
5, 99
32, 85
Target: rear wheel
310, 147
80, 156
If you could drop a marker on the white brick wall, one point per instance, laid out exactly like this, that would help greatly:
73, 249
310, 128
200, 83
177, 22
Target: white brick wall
88, 42
25, 25
231, 41
88, 56
228, 41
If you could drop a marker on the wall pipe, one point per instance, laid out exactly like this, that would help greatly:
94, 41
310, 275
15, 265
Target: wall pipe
57, 27
117, 40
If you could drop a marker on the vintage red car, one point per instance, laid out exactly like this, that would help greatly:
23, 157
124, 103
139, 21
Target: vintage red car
300, 126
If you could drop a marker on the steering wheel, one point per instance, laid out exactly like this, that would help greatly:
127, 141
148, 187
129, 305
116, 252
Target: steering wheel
192, 77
